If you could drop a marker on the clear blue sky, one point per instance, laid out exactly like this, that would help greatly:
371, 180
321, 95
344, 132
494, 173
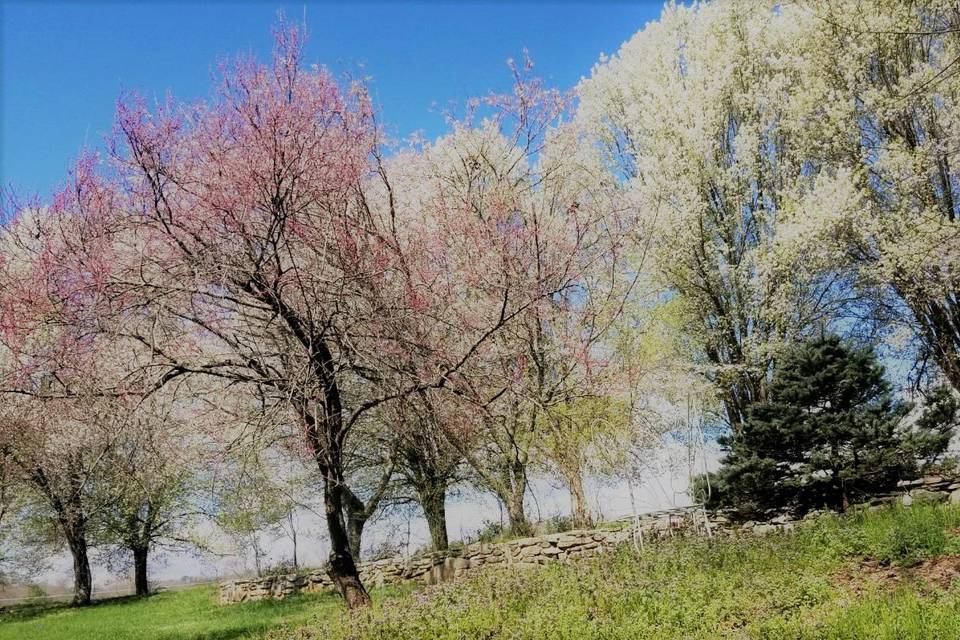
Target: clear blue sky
65, 63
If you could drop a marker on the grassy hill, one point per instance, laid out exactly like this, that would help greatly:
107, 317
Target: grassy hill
888, 574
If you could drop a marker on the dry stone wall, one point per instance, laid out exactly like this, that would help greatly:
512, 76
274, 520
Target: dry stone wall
433, 568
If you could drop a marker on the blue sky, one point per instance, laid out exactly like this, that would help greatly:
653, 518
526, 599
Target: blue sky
65, 63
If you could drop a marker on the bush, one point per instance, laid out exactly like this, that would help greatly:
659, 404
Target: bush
489, 531
284, 568
35, 594
555, 524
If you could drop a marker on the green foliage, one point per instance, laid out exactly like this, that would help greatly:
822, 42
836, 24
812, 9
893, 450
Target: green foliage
285, 568
554, 524
35, 594
490, 531
829, 435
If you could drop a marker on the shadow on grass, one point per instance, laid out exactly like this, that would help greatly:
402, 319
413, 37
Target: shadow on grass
244, 631
29, 611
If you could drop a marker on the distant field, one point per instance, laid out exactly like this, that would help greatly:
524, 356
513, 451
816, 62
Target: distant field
892, 574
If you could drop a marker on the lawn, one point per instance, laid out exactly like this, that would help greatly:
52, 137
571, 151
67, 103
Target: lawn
878, 575
188, 614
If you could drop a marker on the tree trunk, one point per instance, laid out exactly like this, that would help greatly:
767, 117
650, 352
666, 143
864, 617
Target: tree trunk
356, 520
326, 440
582, 518
434, 507
293, 538
256, 553
140, 571
519, 525
343, 569
82, 578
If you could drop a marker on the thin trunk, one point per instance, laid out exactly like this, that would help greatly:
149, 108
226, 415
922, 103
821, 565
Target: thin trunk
582, 518
293, 538
82, 578
434, 506
256, 554
140, 570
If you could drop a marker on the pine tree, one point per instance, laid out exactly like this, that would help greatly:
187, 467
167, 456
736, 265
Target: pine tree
830, 434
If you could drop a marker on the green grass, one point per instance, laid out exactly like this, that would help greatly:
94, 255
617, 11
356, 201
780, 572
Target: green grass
773, 588
806, 585
188, 614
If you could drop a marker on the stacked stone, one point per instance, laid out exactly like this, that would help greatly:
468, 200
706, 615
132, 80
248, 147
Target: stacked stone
433, 568
929, 488
317, 581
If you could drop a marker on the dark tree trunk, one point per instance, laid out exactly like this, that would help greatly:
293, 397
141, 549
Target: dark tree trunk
140, 570
343, 569
939, 322
82, 578
356, 520
72, 518
434, 506
326, 439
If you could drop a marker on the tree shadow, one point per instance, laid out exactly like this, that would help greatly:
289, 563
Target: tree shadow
32, 610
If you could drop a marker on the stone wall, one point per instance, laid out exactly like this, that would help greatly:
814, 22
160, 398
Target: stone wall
556, 547
432, 568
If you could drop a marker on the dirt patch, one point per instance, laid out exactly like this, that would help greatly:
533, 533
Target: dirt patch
935, 574
942, 571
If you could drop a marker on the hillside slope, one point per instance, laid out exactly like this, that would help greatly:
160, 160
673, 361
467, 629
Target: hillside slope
890, 573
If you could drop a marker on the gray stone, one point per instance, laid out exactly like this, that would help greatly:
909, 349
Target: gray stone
925, 495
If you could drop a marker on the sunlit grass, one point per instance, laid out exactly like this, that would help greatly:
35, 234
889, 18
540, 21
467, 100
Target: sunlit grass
188, 614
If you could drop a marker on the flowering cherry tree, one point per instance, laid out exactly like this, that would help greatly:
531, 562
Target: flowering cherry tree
65, 395
267, 245
518, 208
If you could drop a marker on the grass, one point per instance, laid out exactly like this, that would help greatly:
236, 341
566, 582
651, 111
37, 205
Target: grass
773, 588
188, 614
807, 585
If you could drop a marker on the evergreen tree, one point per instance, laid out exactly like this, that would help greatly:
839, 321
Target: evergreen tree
830, 434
